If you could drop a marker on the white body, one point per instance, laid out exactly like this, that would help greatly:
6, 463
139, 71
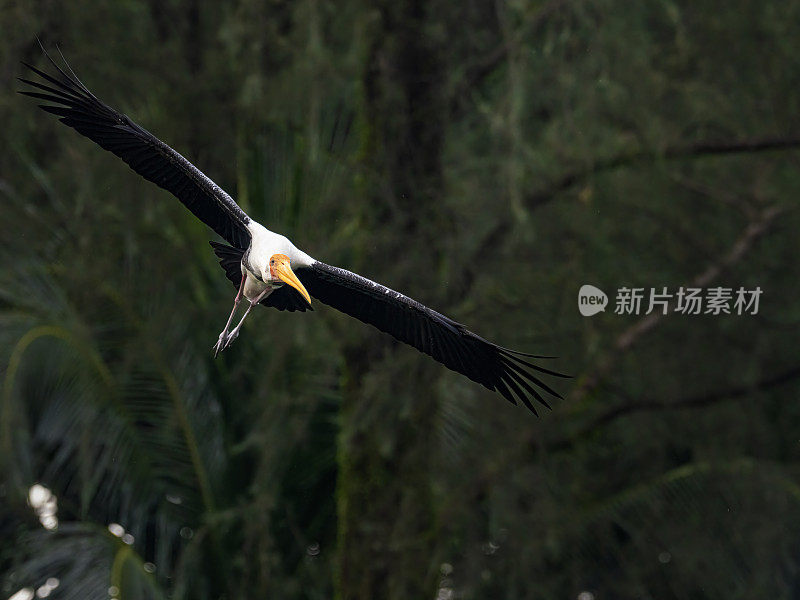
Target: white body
255, 262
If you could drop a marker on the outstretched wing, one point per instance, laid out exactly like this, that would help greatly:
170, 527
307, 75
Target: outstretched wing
151, 158
446, 341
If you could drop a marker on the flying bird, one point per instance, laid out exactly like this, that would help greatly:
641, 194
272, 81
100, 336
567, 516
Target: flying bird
267, 268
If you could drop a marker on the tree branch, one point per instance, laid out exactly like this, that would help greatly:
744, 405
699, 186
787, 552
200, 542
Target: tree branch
694, 150
692, 402
463, 282
751, 233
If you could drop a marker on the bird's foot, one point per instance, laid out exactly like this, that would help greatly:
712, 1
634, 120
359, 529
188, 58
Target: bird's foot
221, 344
225, 340
231, 336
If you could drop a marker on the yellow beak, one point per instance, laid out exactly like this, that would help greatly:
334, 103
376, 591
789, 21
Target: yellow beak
285, 274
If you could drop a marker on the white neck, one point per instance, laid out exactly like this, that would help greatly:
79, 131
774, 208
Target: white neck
265, 243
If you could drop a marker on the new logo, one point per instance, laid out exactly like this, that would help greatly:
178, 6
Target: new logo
591, 300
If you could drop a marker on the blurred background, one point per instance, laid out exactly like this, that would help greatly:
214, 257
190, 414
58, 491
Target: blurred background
485, 158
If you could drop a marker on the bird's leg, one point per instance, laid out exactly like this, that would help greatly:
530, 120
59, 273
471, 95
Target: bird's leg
224, 335
235, 331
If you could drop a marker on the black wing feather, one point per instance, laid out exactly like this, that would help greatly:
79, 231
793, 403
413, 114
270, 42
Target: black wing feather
151, 158
446, 341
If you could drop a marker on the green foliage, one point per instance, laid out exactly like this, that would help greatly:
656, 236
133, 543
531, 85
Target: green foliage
487, 159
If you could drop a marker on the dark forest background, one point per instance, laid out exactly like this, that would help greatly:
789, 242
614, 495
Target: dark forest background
487, 158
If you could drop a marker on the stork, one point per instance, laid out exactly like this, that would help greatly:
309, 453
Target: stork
267, 268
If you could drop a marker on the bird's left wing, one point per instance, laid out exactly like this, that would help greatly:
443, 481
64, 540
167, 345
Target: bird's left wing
151, 158
450, 343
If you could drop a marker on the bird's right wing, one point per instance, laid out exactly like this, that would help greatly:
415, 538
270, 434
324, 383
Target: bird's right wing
151, 158
446, 341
